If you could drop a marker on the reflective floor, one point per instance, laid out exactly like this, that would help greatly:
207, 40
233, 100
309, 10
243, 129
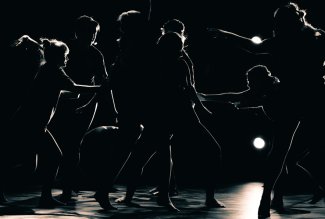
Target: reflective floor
241, 202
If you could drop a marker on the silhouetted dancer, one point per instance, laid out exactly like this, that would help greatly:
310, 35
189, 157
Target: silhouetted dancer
172, 113
22, 61
37, 110
306, 157
76, 111
127, 77
136, 39
295, 50
175, 25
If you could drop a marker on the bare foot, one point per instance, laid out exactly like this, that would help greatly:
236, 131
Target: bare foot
214, 203
126, 201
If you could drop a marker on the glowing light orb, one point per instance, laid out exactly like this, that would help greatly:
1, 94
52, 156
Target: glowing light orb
256, 40
259, 143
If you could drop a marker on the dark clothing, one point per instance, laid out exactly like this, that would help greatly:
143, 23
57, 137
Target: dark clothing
39, 107
86, 66
298, 63
28, 131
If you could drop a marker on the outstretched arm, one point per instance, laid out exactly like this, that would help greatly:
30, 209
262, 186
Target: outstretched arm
243, 99
100, 95
223, 97
245, 43
67, 84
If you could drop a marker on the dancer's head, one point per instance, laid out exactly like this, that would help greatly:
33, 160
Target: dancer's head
132, 27
174, 25
131, 22
289, 19
55, 52
260, 78
86, 29
170, 45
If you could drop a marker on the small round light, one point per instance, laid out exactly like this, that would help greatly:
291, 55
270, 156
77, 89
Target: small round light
259, 143
256, 40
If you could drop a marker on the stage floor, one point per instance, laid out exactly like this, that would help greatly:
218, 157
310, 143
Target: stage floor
241, 202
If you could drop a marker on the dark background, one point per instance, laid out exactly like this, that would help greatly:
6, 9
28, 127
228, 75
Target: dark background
218, 67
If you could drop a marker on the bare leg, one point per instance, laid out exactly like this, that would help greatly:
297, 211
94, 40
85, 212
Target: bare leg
277, 201
141, 155
297, 152
76, 128
94, 156
173, 191
163, 199
49, 159
213, 164
209, 153
283, 138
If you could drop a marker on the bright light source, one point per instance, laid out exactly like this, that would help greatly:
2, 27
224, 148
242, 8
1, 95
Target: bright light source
256, 40
259, 143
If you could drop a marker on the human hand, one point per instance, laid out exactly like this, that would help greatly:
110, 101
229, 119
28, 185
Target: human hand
234, 105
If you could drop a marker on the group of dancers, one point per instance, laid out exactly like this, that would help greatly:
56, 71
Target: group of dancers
148, 97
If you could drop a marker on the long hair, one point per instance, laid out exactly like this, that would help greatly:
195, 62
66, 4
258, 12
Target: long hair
290, 19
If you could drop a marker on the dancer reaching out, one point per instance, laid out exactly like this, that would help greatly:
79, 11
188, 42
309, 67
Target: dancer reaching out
37, 110
296, 55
